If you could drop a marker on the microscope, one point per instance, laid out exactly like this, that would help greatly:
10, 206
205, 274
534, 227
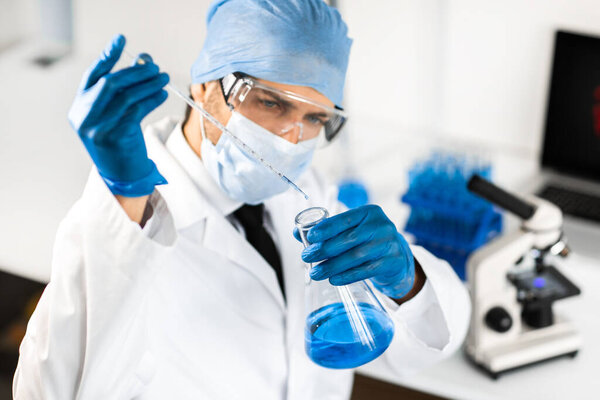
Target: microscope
513, 286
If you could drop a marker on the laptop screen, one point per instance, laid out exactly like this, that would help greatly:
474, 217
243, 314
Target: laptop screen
572, 133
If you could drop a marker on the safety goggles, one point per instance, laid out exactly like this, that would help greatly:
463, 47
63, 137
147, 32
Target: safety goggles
282, 112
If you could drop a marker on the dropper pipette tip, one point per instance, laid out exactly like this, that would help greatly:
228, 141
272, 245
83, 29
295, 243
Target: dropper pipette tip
292, 184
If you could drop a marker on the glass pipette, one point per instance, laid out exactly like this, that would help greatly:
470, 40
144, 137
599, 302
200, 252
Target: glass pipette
219, 125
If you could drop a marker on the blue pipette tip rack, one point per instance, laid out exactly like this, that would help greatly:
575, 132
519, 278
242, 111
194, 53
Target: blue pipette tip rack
445, 217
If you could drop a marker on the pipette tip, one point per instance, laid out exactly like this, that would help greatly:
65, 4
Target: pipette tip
292, 184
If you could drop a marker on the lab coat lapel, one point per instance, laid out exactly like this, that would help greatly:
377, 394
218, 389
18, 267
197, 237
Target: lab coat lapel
221, 237
187, 206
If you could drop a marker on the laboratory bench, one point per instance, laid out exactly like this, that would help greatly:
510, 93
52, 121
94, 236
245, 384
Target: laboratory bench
562, 378
367, 388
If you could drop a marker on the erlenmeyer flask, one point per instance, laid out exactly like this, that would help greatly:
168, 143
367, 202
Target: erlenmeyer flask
346, 326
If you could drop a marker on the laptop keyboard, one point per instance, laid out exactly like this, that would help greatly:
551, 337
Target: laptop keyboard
574, 203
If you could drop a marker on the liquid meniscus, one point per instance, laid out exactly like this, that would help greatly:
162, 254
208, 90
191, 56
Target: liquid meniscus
331, 342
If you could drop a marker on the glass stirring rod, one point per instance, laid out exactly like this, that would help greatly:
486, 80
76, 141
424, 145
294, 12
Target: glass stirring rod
219, 125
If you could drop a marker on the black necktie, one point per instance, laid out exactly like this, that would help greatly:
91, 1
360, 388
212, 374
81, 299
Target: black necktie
251, 218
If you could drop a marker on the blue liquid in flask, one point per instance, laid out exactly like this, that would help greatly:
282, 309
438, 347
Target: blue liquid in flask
331, 342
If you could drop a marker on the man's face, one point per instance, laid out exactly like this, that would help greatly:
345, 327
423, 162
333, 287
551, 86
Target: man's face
211, 96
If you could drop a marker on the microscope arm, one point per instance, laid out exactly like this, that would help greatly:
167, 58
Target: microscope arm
488, 266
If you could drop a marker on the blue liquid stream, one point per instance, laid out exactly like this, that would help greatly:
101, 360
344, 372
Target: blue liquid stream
331, 342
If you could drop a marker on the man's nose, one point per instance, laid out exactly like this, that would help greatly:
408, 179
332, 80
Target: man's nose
293, 132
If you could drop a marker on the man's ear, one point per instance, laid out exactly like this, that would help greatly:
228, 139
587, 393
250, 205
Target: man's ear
198, 92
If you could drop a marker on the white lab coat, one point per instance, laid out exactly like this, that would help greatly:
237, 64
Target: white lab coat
187, 309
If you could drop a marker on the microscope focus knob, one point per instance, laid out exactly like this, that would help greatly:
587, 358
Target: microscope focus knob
498, 319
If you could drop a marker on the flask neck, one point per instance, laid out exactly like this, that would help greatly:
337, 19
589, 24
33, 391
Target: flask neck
308, 218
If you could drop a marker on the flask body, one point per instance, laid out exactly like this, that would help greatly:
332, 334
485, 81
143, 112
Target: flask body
346, 326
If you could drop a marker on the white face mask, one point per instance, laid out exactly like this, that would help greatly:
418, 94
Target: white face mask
238, 174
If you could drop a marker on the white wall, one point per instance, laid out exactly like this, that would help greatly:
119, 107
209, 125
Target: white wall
468, 69
172, 31
17, 20
498, 63
392, 79
394, 61
470, 75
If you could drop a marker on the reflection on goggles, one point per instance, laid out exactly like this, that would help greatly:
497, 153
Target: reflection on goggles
281, 112
297, 125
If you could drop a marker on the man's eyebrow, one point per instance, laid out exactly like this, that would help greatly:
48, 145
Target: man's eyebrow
318, 114
278, 98
290, 104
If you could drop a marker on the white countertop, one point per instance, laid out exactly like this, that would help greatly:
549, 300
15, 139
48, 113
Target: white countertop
564, 378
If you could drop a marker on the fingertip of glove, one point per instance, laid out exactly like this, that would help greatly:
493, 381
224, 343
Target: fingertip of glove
119, 40
113, 48
314, 274
161, 180
296, 234
313, 235
164, 78
116, 44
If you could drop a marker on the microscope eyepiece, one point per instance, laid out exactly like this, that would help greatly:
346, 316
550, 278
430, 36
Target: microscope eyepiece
500, 197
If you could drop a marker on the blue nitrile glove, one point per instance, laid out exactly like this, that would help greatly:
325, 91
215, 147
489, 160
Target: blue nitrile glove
107, 112
359, 244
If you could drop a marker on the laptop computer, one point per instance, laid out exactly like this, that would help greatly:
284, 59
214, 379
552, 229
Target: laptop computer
571, 150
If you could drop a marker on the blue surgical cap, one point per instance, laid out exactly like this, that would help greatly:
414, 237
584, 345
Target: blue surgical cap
295, 42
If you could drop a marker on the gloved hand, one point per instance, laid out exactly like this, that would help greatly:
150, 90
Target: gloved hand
107, 112
359, 244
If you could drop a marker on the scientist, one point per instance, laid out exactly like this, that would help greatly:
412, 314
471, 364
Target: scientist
195, 289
